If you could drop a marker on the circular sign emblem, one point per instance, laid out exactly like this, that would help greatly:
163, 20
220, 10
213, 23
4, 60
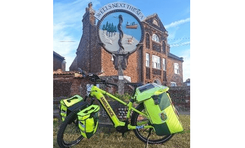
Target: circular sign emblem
120, 31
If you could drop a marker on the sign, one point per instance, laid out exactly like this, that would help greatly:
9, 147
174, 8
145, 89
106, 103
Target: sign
125, 36
120, 33
119, 27
119, 5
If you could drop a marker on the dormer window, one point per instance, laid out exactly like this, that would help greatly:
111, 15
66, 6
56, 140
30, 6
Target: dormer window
155, 38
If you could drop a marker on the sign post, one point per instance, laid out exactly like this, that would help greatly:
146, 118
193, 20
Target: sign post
120, 33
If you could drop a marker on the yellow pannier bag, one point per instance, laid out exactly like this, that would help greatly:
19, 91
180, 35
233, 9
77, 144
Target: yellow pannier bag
158, 105
70, 104
88, 120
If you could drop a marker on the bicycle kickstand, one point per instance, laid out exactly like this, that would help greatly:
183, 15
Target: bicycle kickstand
148, 138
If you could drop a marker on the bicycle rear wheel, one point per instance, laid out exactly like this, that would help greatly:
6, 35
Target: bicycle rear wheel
142, 134
69, 133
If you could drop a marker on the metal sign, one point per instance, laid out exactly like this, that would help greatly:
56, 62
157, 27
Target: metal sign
119, 5
120, 33
120, 30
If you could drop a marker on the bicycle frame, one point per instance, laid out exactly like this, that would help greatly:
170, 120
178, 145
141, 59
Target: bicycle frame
99, 95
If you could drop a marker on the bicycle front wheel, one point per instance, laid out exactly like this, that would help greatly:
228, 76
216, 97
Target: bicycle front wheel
142, 134
69, 133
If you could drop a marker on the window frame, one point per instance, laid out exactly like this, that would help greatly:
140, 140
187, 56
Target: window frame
158, 64
147, 43
176, 68
155, 37
164, 64
147, 61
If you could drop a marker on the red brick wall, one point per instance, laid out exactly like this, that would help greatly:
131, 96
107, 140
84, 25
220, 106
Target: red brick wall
67, 85
172, 77
133, 69
62, 85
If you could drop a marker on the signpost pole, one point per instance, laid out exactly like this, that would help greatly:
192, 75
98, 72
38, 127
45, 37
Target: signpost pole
120, 76
120, 58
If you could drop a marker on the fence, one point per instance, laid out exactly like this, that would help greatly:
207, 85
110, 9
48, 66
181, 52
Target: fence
181, 98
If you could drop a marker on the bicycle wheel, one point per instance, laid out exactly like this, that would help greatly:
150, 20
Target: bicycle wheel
142, 134
69, 133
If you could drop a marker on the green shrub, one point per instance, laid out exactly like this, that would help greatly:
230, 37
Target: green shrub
124, 97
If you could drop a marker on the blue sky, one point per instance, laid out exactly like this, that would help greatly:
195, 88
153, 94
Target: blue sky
174, 14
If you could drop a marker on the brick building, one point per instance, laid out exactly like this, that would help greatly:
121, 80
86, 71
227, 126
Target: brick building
153, 62
58, 62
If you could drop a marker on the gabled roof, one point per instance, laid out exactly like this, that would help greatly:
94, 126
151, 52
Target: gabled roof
149, 20
170, 55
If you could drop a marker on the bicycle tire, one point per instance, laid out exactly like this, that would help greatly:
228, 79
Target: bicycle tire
64, 134
143, 133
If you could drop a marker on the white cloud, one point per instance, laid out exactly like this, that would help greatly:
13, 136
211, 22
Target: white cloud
172, 32
177, 23
176, 44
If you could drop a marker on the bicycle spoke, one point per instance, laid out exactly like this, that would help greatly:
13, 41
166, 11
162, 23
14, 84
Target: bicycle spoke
71, 134
141, 120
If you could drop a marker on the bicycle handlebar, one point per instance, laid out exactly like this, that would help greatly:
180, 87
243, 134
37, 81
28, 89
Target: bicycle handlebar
95, 78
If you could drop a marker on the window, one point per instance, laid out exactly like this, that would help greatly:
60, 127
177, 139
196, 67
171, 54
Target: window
176, 68
147, 41
147, 60
173, 84
155, 62
163, 64
155, 38
163, 47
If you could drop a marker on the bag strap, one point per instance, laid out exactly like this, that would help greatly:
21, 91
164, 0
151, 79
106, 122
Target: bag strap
69, 100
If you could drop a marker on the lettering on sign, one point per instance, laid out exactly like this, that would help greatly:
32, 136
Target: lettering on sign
119, 5
107, 106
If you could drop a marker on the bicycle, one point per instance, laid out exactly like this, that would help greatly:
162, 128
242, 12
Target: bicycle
69, 134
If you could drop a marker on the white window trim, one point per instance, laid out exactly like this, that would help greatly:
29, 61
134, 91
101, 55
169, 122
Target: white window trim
155, 38
164, 64
147, 64
157, 63
176, 68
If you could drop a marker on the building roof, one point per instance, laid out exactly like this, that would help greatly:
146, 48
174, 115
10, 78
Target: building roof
68, 73
58, 56
60, 72
170, 55
150, 16
149, 20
